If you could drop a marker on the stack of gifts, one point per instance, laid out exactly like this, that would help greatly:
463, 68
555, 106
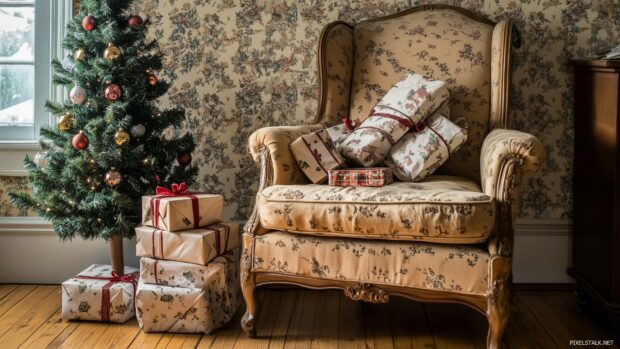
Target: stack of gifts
189, 266
409, 131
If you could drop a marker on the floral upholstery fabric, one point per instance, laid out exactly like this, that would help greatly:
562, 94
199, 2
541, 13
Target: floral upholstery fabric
443, 209
276, 140
497, 147
440, 44
338, 58
459, 269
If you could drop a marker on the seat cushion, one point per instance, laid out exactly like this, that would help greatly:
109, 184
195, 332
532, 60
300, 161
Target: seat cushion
443, 209
458, 269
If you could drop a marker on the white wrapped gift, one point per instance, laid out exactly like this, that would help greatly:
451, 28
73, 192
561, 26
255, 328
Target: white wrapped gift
408, 103
316, 154
418, 154
191, 309
96, 294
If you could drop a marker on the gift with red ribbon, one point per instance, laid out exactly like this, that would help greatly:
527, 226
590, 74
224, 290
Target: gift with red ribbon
316, 154
406, 105
178, 208
198, 246
186, 298
100, 294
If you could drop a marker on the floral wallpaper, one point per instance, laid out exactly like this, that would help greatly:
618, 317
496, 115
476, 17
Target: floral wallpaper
238, 65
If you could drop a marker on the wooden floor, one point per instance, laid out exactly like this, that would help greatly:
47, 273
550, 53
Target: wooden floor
291, 318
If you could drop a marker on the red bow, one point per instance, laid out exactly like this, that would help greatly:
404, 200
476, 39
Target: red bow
177, 189
349, 125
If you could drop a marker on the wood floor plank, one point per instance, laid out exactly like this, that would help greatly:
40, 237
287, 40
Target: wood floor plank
477, 325
566, 307
53, 327
23, 319
283, 318
118, 335
299, 335
302, 319
179, 341
351, 327
6, 289
15, 297
325, 329
225, 337
446, 323
524, 331
410, 328
265, 321
558, 331
377, 324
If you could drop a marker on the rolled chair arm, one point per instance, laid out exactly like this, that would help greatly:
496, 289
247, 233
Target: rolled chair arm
275, 141
506, 155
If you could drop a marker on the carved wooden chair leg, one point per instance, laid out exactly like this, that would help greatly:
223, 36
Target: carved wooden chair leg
248, 286
498, 302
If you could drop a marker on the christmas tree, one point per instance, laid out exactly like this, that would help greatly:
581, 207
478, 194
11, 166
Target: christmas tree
108, 147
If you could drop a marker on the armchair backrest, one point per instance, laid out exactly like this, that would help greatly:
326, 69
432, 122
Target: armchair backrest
358, 65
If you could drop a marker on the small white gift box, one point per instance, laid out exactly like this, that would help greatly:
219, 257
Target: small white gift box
97, 294
316, 154
418, 154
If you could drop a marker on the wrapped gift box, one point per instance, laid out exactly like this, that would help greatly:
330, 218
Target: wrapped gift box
316, 154
198, 246
96, 294
339, 133
192, 309
361, 177
173, 273
407, 104
182, 211
419, 154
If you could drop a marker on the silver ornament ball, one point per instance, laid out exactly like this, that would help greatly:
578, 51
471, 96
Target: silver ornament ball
138, 130
77, 94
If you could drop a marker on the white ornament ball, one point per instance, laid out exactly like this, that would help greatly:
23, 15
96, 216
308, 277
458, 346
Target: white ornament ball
77, 95
40, 159
138, 130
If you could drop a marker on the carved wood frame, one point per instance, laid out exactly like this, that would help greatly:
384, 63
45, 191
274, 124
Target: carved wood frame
495, 304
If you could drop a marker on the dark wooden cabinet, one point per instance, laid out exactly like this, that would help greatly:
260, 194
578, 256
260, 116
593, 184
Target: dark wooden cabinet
596, 183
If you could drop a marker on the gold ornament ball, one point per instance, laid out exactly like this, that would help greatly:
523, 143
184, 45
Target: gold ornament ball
65, 122
79, 54
113, 178
112, 53
121, 138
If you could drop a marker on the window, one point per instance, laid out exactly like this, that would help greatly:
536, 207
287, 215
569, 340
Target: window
25, 44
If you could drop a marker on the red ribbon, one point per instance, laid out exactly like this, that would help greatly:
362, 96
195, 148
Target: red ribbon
161, 243
349, 125
105, 292
176, 190
217, 228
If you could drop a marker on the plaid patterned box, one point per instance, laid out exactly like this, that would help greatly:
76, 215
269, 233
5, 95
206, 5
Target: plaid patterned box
361, 177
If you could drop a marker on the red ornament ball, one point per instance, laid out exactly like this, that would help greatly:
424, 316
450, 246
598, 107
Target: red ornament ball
184, 159
135, 21
80, 141
153, 79
112, 92
89, 23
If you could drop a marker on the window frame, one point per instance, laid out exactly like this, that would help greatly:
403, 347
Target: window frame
56, 15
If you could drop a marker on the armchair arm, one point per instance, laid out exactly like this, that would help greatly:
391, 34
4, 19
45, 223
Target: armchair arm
505, 156
282, 167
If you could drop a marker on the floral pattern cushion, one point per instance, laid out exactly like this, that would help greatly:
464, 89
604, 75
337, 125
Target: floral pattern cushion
444, 209
458, 269
441, 44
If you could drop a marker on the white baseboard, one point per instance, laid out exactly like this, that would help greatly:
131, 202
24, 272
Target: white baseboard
30, 252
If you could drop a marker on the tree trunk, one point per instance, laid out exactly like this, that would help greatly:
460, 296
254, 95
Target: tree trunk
116, 254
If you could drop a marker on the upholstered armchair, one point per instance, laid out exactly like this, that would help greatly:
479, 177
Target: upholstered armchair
446, 239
